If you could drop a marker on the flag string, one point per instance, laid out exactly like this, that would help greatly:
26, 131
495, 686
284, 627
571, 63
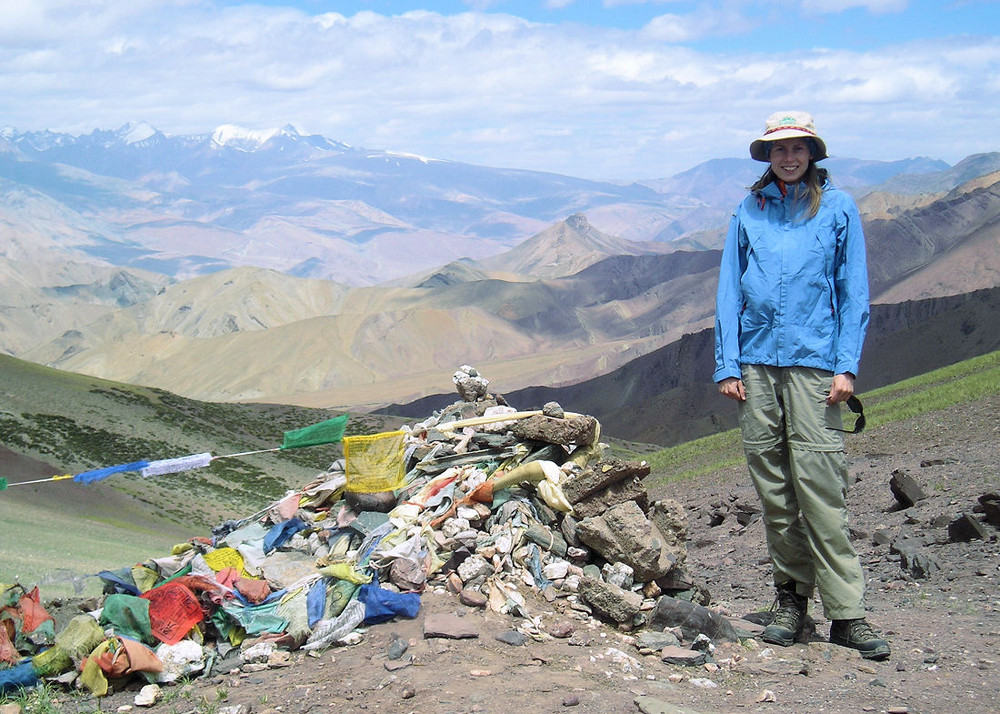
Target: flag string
326, 432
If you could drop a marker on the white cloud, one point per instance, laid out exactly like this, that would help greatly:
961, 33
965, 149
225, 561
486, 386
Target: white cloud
671, 28
485, 88
876, 7
703, 21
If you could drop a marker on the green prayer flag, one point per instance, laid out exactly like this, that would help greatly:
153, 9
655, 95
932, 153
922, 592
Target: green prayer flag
326, 432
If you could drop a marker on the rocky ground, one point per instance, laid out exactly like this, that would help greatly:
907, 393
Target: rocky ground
933, 594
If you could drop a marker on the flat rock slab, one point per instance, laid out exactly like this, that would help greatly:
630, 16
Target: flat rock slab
652, 705
451, 627
672, 654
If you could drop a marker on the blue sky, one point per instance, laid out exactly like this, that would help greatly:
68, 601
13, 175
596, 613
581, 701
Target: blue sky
621, 89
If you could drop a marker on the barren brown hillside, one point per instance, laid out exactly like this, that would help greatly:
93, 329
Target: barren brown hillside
263, 336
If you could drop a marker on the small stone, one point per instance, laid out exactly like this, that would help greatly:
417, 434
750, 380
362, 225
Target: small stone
472, 598
905, 489
279, 658
966, 528
148, 695
682, 656
396, 665
556, 570
408, 691
398, 647
989, 504
767, 696
561, 630
703, 683
513, 638
571, 701
554, 410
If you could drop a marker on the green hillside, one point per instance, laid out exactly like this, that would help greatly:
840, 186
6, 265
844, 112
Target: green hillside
959, 383
54, 423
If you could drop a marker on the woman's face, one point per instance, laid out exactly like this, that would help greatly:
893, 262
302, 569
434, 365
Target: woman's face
790, 159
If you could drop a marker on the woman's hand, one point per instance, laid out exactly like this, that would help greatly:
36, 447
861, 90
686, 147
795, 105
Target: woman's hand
841, 388
733, 388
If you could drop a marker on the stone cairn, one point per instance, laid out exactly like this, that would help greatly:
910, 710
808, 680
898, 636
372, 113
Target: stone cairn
532, 501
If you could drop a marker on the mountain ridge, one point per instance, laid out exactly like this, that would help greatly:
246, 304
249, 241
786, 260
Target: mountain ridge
667, 397
315, 207
255, 334
535, 300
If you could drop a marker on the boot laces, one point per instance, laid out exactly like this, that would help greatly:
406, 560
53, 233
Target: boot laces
789, 609
861, 631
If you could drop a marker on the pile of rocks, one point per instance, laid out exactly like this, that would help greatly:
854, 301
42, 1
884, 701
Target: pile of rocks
493, 500
505, 499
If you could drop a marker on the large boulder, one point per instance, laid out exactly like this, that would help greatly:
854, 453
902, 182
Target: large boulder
624, 534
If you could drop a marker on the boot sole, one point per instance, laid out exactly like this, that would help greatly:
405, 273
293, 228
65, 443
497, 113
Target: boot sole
774, 638
880, 652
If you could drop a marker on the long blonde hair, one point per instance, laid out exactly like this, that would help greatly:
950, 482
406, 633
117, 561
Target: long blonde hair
814, 179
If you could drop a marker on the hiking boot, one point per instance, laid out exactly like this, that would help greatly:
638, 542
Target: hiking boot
789, 618
859, 635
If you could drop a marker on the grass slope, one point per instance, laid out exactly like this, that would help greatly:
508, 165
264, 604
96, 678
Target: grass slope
960, 383
54, 423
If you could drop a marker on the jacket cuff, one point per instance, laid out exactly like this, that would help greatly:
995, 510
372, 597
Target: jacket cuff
726, 373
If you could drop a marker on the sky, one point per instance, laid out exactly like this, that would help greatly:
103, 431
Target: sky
614, 89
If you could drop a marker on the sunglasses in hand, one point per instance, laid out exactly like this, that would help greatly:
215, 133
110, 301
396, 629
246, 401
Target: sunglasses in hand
854, 404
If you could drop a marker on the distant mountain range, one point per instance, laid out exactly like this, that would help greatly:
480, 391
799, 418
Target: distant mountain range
273, 266
309, 206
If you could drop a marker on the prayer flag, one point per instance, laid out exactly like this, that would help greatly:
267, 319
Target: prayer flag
326, 432
100, 474
174, 466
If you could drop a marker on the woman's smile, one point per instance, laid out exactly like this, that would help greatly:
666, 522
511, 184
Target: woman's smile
790, 159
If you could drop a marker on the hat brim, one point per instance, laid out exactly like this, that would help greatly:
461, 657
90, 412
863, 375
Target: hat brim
758, 148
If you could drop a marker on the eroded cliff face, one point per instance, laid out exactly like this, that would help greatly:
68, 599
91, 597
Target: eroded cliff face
667, 397
962, 227
910, 338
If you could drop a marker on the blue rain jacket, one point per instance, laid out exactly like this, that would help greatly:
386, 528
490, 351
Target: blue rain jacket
792, 292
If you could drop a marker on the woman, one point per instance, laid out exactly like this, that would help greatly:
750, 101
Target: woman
791, 317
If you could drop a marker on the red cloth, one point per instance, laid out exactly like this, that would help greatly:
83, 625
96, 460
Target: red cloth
255, 591
227, 576
173, 611
8, 653
124, 656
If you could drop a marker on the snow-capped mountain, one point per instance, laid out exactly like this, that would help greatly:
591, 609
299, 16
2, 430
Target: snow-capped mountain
314, 207
302, 204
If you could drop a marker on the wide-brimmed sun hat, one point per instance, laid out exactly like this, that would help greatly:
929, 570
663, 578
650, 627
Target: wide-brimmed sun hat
787, 125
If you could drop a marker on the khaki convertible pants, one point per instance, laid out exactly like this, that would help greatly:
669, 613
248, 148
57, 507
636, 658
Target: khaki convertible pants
800, 472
